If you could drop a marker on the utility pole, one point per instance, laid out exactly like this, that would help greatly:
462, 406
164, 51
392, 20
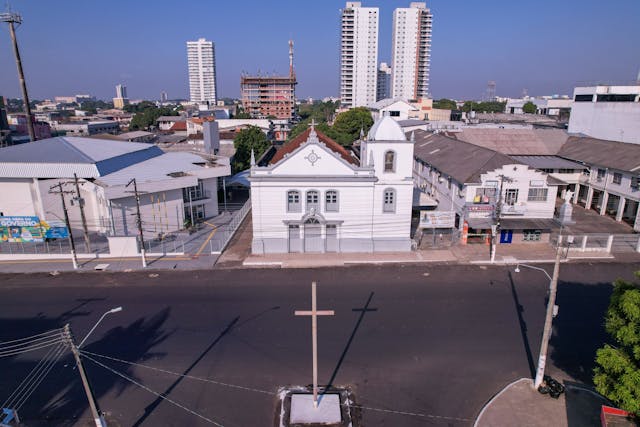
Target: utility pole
74, 257
80, 200
93, 404
495, 229
139, 221
548, 321
11, 19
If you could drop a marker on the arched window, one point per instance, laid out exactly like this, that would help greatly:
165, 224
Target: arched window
331, 201
313, 200
293, 201
312, 221
389, 200
389, 161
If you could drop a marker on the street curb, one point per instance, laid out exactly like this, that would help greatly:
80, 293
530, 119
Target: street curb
262, 264
484, 408
516, 261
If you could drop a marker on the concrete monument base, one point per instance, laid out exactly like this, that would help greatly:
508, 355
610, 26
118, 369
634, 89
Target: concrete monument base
336, 408
303, 412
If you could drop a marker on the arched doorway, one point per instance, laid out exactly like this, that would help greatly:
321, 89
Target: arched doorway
313, 235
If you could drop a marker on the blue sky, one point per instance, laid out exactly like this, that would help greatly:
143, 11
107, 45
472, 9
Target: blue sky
545, 46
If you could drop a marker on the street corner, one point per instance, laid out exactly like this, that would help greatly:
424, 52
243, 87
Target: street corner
519, 404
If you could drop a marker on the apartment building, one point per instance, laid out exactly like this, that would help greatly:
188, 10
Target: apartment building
202, 71
411, 51
358, 55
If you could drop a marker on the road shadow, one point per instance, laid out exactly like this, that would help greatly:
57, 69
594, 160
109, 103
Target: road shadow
523, 326
60, 399
365, 309
153, 405
578, 329
583, 405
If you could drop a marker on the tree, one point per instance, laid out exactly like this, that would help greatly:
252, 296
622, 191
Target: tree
529, 108
241, 114
445, 104
250, 138
349, 124
617, 374
148, 116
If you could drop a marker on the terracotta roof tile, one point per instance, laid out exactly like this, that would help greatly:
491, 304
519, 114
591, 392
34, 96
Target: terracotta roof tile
179, 126
296, 142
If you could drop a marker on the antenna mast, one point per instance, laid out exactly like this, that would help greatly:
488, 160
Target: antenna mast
11, 19
291, 73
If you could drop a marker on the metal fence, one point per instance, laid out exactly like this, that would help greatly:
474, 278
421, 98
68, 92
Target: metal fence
169, 244
58, 246
607, 243
226, 232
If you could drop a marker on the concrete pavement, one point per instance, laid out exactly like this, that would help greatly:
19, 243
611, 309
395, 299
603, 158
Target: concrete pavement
518, 404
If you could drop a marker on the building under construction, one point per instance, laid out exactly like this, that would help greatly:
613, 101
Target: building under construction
274, 96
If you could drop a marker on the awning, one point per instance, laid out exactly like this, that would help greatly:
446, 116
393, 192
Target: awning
480, 223
527, 224
422, 199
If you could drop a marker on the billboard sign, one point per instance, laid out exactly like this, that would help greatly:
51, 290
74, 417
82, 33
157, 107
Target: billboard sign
24, 229
437, 219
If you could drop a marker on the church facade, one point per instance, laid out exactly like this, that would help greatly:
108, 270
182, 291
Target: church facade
315, 196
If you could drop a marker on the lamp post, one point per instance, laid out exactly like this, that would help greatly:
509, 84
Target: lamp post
75, 349
113, 310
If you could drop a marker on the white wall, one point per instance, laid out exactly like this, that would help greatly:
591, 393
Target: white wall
614, 121
522, 178
18, 196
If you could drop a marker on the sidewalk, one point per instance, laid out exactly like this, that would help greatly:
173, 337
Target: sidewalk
518, 404
460, 254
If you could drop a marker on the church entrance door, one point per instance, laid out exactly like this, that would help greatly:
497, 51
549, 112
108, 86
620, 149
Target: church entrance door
313, 236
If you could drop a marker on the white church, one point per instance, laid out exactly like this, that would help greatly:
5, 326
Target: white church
315, 196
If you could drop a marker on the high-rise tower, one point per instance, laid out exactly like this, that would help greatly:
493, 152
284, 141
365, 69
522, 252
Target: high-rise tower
358, 55
202, 71
411, 51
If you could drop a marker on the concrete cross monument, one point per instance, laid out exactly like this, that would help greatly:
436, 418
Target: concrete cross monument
314, 313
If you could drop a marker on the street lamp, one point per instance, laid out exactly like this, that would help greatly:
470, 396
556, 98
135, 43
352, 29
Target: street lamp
113, 310
517, 270
75, 349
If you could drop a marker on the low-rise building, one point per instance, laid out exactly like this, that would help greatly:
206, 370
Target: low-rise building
396, 108
610, 183
88, 128
483, 188
174, 187
315, 196
607, 112
166, 122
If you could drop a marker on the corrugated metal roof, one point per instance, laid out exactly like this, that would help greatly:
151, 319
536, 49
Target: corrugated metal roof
460, 160
548, 162
155, 169
61, 157
610, 154
68, 150
48, 170
516, 141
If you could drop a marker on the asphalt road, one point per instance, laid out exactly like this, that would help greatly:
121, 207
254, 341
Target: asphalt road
433, 346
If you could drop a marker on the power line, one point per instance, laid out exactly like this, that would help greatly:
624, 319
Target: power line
353, 405
32, 336
152, 391
35, 347
26, 388
179, 375
35, 385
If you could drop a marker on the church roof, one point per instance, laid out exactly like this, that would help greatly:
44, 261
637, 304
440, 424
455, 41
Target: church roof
386, 129
296, 142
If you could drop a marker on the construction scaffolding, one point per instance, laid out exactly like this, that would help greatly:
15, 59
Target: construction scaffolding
270, 96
